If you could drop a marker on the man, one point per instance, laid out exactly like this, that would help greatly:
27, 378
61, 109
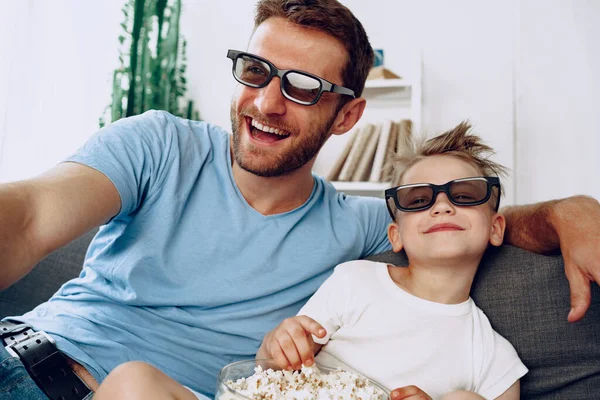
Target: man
208, 242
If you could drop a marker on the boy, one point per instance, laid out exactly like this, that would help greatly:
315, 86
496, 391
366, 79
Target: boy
417, 325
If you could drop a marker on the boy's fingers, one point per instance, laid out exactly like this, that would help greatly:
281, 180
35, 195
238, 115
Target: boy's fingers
409, 392
288, 346
279, 356
304, 345
311, 326
292, 341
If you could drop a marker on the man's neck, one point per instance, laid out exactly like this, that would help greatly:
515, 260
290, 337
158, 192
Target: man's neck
274, 195
445, 282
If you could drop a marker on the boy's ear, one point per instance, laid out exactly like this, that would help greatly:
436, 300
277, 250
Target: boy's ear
348, 116
394, 237
498, 226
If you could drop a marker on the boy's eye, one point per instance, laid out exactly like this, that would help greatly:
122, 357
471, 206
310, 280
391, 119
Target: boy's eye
464, 196
419, 201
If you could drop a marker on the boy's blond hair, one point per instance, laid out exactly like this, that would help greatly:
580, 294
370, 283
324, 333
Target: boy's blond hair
459, 142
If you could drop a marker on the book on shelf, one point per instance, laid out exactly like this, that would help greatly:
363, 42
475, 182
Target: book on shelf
404, 133
390, 151
399, 137
369, 153
356, 152
382, 146
365, 163
334, 172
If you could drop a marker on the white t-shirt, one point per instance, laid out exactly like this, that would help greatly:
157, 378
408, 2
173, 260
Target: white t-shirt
397, 339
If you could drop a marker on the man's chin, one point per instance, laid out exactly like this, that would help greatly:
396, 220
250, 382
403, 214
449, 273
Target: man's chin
264, 171
258, 162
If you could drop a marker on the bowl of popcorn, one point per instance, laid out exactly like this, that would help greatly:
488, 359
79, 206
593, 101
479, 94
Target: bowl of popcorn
262, 380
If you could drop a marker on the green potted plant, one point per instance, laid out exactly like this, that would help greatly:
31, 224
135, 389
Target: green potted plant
152, 60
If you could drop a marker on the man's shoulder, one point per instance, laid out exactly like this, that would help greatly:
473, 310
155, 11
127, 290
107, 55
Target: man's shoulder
365, 217
363, 207
160, 122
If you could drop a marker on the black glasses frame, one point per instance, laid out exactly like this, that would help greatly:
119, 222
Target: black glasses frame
325, 86
492, 181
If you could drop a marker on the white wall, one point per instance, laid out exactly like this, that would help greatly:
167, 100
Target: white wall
211, 29
56, 69
62, 54
558, 99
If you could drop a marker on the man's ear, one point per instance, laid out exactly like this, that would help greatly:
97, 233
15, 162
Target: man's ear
498, 226
394, 237
348, 116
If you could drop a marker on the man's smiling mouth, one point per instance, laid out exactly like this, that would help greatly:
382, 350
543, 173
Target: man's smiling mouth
266, 133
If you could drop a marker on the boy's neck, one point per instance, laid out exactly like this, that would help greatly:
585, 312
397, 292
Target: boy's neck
446, 282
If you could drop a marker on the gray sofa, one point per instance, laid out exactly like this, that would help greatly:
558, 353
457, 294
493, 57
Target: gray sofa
525, 296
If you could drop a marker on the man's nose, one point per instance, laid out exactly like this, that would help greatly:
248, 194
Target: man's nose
442, 205
269, 99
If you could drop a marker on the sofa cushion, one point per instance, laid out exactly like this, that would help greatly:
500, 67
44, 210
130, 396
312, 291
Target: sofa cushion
45, 279
526, 298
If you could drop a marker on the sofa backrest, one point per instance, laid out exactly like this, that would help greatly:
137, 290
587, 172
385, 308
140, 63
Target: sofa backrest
46, 278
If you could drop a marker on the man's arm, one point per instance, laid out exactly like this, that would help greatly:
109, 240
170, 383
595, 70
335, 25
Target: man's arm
571, 225
39, 215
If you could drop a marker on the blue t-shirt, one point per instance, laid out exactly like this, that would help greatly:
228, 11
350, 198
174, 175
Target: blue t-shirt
187, 276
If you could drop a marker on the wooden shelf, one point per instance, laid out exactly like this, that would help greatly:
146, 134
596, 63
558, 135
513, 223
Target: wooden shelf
376, 188
388, 92
388, 83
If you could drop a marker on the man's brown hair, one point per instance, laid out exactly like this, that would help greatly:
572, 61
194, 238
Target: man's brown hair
459, 142
333, 18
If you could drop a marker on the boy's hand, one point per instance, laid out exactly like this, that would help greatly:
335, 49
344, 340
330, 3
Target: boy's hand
409, 393
290, 344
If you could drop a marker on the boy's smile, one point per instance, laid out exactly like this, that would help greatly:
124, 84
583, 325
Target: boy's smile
444, 227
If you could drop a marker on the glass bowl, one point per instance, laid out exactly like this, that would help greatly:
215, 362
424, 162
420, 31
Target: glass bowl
245, 369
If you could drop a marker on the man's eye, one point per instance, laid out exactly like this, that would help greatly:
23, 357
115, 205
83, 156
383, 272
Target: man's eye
255, 70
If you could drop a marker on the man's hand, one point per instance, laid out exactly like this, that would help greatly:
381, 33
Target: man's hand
409, 393
571, 225
291, 344
577, 224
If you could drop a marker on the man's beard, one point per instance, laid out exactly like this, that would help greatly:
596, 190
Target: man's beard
284, 163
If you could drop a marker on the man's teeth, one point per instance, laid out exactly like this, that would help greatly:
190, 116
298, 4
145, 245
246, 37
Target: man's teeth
269, 129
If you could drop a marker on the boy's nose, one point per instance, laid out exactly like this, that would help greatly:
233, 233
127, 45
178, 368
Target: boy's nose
270, 100
442, 205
